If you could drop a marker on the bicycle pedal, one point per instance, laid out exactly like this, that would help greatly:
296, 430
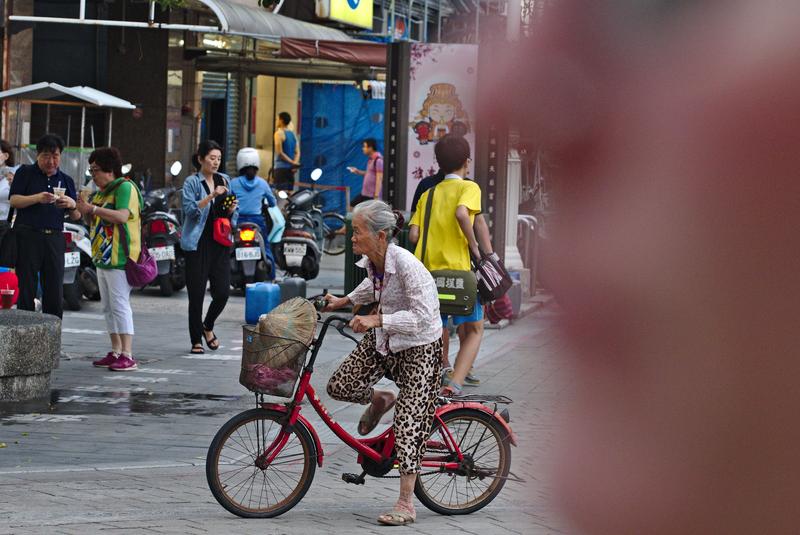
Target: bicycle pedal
353, 479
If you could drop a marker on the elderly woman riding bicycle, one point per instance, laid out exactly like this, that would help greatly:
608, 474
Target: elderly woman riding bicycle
403, 338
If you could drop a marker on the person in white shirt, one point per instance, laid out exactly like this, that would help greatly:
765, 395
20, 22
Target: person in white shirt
402, 338
7, 169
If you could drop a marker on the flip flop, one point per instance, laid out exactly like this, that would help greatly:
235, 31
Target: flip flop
370, 420
209, 342
197, 350
397, 518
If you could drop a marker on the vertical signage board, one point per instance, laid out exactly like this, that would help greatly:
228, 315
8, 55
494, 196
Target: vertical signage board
442, 99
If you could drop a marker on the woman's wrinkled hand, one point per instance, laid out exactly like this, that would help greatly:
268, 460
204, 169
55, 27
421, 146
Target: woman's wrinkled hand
83, 207
361, 324
335, 303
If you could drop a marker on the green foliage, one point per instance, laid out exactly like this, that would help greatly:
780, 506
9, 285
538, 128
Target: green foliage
169, 4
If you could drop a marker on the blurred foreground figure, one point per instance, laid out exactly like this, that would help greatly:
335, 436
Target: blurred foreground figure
676, 131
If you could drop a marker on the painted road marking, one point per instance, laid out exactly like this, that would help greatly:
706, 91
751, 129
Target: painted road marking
100, 388
92, 399
106, 467
213, 357
82, 331
148, 380
84, 315
156, 371
52, 418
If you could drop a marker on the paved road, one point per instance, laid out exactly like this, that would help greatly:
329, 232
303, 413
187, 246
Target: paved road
112, 452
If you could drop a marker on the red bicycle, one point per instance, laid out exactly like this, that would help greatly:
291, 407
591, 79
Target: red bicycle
262, 461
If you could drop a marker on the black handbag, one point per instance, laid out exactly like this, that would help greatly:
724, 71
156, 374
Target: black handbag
457, 289
8, 242
493, 278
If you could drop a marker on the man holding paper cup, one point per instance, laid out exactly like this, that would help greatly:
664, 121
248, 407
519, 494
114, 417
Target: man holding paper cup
41, 193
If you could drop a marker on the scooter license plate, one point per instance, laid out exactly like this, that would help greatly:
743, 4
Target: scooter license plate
248, 253
294, 249
72, 260
162, 253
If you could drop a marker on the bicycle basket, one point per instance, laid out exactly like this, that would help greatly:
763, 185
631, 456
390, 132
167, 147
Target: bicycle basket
274, 351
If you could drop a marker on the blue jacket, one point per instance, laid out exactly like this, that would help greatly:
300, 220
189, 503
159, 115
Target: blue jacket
251, 194
194, 217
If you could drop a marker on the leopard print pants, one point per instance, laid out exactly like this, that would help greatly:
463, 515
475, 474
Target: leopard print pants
416, 371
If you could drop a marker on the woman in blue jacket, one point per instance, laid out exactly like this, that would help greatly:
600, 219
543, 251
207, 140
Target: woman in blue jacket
207, 257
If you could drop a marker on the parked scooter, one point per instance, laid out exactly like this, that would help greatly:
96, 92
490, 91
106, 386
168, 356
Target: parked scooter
72, 262
300, 250
86, 276
161, 234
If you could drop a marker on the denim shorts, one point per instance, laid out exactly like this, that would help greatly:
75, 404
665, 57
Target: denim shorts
477, 315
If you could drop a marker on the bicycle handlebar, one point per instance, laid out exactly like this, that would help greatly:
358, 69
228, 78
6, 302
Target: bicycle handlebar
343, 322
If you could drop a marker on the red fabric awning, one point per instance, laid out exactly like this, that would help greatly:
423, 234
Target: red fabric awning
352, 52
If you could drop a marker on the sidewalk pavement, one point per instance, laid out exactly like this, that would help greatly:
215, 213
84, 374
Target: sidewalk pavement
124, 453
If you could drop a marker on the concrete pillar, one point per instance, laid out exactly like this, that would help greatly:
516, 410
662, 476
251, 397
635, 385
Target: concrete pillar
513, 259
513, 20
18, 70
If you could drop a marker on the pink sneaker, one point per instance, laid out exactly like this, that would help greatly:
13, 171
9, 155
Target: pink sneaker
124, 364
106, 361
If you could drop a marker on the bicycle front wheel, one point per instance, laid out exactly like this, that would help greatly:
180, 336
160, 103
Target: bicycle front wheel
334, 238
243, 488
487, 461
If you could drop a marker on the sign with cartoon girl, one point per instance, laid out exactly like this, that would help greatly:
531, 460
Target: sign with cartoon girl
443, 96
442, 113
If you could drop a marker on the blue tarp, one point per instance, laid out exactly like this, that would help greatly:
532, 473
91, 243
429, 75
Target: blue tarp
336, 119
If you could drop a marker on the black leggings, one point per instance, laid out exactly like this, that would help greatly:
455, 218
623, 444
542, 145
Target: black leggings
210, 262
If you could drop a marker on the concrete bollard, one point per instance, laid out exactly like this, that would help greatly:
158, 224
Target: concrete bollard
30, 346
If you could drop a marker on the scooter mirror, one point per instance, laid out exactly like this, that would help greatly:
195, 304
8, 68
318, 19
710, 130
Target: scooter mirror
175, 168
316, 174
127, 168
283, 195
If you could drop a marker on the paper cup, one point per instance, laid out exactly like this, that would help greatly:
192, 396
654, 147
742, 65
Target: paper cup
59, 192
86, 192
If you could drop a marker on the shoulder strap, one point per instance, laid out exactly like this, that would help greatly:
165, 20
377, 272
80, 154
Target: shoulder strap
427, 221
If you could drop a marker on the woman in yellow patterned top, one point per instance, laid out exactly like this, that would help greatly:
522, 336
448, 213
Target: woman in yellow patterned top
114, 218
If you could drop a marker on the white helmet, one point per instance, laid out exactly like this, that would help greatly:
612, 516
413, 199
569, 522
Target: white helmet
247, 157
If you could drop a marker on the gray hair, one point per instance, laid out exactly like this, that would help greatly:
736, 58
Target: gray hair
378, 216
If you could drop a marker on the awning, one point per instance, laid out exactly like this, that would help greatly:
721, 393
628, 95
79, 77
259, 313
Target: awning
52, 93
309, 69
244, 17
353, 52
234, 17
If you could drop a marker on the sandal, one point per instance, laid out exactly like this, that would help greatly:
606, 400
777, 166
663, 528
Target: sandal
210, 343
197, 349
370, 419
397, 517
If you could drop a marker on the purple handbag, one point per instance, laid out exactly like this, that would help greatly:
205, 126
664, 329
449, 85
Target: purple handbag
143, 272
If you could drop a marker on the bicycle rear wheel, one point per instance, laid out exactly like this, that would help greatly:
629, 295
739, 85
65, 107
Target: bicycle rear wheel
487, 452
243, 488
333, 228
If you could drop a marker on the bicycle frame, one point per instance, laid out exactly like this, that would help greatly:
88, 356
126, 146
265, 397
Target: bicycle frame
362, 446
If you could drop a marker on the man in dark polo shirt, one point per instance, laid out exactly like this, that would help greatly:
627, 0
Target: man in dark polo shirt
41, 193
